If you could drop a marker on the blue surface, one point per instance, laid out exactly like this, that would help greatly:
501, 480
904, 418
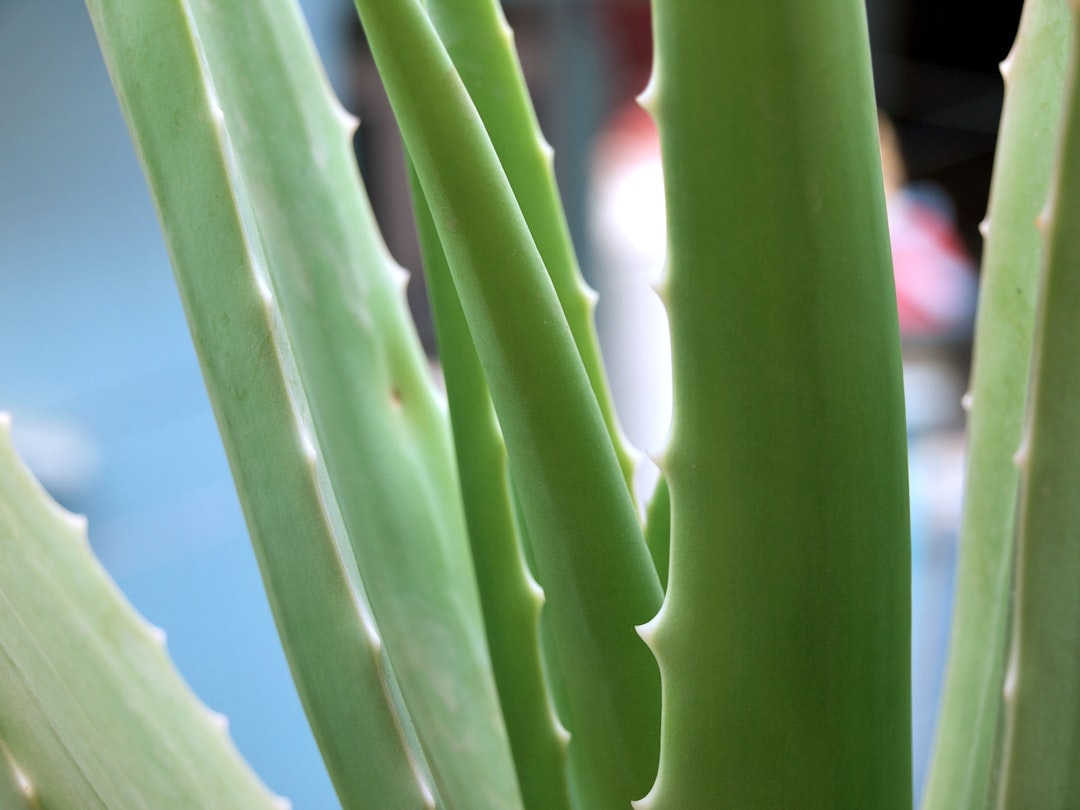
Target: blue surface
936, 472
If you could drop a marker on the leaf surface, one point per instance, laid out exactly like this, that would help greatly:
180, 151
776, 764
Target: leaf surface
94, 714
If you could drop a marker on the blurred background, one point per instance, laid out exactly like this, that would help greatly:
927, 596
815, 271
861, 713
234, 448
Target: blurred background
109, 409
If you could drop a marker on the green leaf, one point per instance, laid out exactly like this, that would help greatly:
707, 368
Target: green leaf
509, 595
481, 45
961, 772
248, 157
658, 529
94, 714
1040, 762
590, 552
783, 641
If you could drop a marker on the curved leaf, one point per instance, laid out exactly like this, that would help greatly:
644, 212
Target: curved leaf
94, 714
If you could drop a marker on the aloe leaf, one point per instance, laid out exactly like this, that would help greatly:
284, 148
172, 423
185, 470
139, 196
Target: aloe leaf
380, 424
510, 598
783, 640
412, 555
968, 728
94, 714
585, 791
481, 45
1040, 762
658, 529
590, 552
330, 640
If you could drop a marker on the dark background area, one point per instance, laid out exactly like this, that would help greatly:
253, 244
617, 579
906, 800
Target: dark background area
936, 73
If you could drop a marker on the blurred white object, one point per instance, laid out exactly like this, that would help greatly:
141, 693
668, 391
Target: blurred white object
630, 237
62, 456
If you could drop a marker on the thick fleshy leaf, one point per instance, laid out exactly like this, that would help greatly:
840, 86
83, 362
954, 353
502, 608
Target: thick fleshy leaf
278, 260
509, 595
94, 714
1040, 760
590, 552
783, 640
967, 739
481, 45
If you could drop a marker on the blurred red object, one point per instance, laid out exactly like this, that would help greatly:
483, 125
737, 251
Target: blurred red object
935, 277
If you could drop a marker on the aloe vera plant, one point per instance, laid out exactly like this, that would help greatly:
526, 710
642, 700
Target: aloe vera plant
474, 611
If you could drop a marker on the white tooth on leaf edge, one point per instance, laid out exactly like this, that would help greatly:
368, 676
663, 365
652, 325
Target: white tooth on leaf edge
1005, 65
1008, 691
562, 733
75, 521
263, 285
428, 796
651, 629
218, 720
1042, 221
307, 445
966, 401
546, 149
633, 453
648, 98
367, 621
156, 634
1020, 458
660, 457
984, 228
590, 295
400, 275
660, 286
648, 801
536, 592
23, 782
348, 121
